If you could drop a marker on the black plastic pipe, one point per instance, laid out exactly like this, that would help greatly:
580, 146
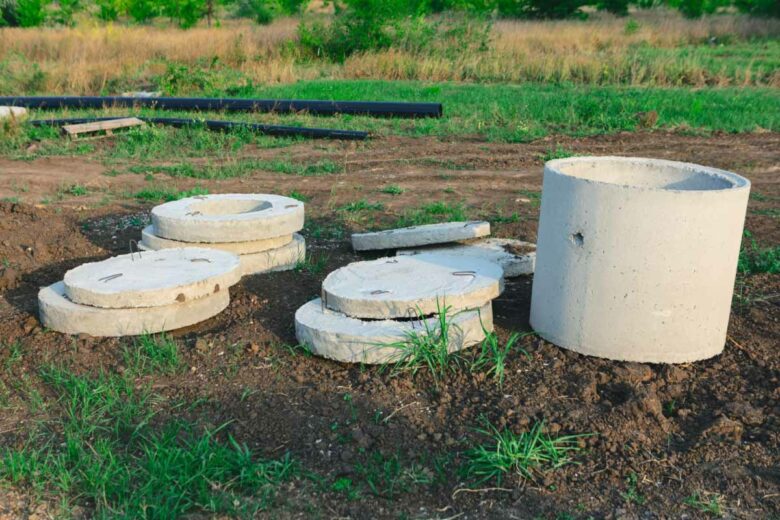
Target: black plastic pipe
282, 106
274, 130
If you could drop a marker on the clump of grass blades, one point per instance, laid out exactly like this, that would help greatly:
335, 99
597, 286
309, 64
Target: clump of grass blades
492, 356
428, 348
151, 354
433, 213
167, 193
755, 259
101, 449
526, 454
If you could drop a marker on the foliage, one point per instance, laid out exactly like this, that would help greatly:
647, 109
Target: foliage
31, 13
756, 259
526, 454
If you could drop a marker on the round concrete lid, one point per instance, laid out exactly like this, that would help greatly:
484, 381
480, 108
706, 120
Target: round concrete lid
515, 256
59, 313
407, 286
152, 278
420, 235
152, 241
233, 217
336, 336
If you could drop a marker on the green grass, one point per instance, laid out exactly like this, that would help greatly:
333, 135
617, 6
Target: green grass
433, 213
426, 347
631, 494
312, 264
710, 505
527, 454
152, 354
361, 205
167, 193
559, 152
388, 476
241, 168
392, 189
99, 448
294, 194
755, 259
494, 112
493, 355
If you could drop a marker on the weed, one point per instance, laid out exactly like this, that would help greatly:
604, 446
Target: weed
526, 454
711, 505
755, 259
299, 196
312, 264
534, 197
392, 189
428, 348
151, 354
77, 190
101, 448
492, 356
432, 213
346, 486
361, 205
559, 152
631, 494
298, 349
387, 476
166, 193
14, 354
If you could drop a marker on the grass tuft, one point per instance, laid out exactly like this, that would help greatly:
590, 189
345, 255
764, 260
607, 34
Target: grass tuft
433, 213
392, 189
428, 348
152, 354
710, 505
167, 194
754, 259
526, 454
492, 356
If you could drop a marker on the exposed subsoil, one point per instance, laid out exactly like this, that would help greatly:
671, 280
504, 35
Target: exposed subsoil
709, 427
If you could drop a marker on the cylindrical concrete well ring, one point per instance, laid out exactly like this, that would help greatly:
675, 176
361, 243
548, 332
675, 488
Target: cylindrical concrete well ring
636, 258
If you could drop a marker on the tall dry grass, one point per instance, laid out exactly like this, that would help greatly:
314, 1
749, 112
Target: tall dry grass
108, 58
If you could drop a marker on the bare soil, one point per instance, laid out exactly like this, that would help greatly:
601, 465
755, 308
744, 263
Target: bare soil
709, 427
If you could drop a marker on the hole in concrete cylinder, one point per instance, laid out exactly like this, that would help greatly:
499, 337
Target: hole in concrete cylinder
577, 239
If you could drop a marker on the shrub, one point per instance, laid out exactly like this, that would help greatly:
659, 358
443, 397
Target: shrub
759, 7
365, 25
31, 13
257, 10
9, 15
108, 10
616, 7
541, 8
142, 10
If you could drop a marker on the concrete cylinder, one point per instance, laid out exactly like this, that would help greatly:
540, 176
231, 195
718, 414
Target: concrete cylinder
636, 258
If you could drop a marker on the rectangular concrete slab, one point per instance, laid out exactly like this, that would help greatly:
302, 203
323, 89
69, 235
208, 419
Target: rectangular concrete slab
420, 235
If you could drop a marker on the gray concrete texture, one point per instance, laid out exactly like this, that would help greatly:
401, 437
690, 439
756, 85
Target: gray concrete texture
406, 286
152, 242
12, 112
232, 217
58, 313
516, 257
420, 235
637, 258
152, 278
337, 336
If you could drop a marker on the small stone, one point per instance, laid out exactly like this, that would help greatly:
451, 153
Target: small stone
201, 345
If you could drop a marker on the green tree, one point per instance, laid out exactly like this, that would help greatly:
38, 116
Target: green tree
142, 10
109, 10
31, 13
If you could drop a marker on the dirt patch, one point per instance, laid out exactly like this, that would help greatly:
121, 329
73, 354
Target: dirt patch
663, 432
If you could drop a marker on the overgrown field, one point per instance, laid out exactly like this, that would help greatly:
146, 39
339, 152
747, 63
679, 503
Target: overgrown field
653, 48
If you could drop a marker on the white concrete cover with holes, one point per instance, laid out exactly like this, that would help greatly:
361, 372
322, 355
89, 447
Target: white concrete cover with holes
637, 258
337, 336
406, 286
514, 256
152, 241
280, 259
153, 278
420, 235
233, 217
12, 112
58, 313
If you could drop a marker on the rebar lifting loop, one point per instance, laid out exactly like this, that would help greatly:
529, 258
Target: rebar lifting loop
137, 248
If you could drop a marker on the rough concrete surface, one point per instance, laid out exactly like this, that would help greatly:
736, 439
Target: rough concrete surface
407, 286
152, 278
12, 112
153, 242
58, 313
279, 259
637, 258
232, 217
337, 336
514, 256
420, 235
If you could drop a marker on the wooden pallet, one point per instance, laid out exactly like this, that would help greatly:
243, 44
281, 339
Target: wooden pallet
107, 127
